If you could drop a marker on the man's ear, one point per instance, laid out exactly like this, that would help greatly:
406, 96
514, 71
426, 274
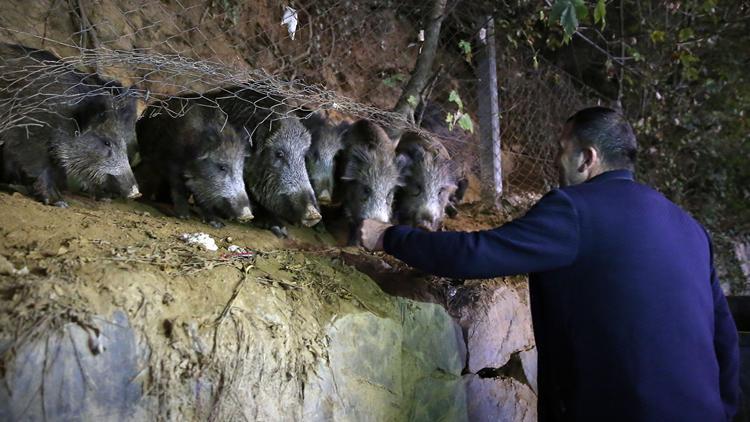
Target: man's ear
589, 158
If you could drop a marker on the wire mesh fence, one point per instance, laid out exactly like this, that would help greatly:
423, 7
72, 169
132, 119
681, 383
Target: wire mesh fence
351, 57
536, 103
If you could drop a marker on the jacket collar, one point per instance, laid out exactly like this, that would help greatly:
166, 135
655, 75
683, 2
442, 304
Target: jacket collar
612, 175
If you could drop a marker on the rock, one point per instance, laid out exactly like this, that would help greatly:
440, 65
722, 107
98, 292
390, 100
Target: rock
77, 384
6, 267
528, 361
742, 253
236, 249
382, 369
499, 399
498, 325
363, 379
267, 357
202, 239
433, 357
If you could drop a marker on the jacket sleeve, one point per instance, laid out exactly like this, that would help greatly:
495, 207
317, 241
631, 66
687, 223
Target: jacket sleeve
546, 238
726, 344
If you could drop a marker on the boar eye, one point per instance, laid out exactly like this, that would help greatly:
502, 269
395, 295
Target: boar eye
223, 168
279, 154
366, 190
107, 143
417, 190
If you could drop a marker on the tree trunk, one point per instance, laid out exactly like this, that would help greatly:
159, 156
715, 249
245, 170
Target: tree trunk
410, 97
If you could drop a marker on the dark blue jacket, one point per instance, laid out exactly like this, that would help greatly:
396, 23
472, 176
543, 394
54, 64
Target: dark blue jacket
629, 319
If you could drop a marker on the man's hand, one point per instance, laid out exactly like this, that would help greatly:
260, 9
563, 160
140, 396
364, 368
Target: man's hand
371, 234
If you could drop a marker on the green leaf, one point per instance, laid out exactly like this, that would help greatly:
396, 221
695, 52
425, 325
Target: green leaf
658, 36
512, 41
600, 13
567, 13
394, 80
465, 123
687, 59
709, 6
412, 100
569, 20
450, 120
685, 34
465, 47
691, 73
581, 10
454, 98
557, 10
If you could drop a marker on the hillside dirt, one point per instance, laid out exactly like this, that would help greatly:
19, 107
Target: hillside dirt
192, 310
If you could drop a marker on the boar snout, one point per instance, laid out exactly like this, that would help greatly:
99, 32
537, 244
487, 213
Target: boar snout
246, 214
325, 197
311, 217
134, 192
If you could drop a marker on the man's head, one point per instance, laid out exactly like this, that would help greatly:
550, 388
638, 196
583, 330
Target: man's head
595, 140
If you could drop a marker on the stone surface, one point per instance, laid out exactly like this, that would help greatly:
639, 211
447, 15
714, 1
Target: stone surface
61, 377
6, 267
500, 325
499, 399
362, 379
742, 253
528, 360
384, 369
226, 349
434, 354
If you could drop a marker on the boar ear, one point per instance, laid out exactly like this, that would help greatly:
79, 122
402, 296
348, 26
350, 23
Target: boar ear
343, 128
350, 171
367, 133
262, 131
450, 188
403, 162
87, 110
354, 161
411, 144
408, 139
210, 140
312, 120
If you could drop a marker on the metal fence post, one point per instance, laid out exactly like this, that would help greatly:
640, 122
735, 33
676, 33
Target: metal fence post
490, 165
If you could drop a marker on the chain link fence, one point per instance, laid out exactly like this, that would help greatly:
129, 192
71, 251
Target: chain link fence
536, 102
347, 57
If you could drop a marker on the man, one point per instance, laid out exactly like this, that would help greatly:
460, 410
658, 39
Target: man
629, 319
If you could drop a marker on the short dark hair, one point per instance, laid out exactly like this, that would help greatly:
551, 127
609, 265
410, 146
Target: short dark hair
607, 131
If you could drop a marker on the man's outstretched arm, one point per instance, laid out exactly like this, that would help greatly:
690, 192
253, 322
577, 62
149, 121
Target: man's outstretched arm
545, 238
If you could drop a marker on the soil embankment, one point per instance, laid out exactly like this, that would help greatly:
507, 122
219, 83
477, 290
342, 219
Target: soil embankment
106, 313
